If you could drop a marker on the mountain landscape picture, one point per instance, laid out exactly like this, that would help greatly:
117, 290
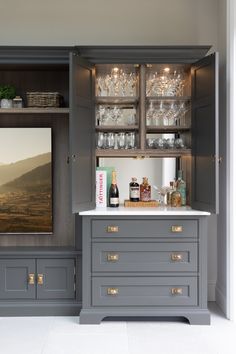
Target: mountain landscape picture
25, 180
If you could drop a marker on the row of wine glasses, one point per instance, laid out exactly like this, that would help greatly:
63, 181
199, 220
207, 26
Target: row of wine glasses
165, 143
165, 83
122, 140
115, 115
167, 113
117, 83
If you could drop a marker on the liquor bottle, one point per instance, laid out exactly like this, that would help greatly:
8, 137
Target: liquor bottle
170, 192
181, 187
113, 192
134, 190
145, 190
175, 197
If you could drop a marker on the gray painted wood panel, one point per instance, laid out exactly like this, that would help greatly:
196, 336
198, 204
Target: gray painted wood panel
144, 257
58, 279
148, 291
82, 134
144, 228
205, 164
14, 279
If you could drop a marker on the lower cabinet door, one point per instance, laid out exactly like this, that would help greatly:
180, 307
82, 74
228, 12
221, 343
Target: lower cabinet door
144, 291
17, 279
55, 279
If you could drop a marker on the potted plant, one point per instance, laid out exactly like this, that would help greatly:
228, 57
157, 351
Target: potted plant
7, 93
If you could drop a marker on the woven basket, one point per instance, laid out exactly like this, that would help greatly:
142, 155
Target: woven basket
43, 99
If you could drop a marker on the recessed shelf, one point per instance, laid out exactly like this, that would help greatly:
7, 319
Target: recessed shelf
168, 98
116, 128
117, 100
167, 129
138, 153
34, 110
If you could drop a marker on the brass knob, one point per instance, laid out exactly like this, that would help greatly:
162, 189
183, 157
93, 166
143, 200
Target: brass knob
112, 291
176, 257
176, 291
31, 278
112, 257
40, 279
112, 229
176, 228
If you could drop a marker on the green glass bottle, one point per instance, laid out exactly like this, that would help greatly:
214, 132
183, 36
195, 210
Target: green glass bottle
181, 187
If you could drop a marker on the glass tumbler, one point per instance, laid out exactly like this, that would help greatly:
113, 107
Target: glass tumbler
100, 140
121, 141
130, 140
110, 140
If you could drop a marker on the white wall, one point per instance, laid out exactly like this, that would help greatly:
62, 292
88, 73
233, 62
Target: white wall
71, 22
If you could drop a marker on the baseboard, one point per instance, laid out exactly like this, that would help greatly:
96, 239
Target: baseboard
39, 309
221, 299
211, 288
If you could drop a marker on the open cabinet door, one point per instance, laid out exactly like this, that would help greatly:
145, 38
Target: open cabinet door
82, 134
205, 161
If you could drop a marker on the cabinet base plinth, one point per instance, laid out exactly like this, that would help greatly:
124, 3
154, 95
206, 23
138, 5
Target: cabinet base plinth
194, 316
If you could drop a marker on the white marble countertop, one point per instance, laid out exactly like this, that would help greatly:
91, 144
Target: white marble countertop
158, 211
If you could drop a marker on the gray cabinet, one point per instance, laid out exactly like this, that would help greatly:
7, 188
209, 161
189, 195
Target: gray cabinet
15, 275
144, 266
37, 279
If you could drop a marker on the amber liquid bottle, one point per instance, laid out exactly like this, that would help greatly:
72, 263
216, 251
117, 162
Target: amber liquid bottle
113, 192
145, 190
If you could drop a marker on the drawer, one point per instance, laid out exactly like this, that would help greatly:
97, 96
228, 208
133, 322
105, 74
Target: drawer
172, 228
144, 257
144, 291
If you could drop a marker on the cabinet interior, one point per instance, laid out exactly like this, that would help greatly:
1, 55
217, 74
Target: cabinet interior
156, 107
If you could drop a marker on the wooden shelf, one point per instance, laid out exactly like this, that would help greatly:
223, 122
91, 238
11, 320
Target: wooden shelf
116, 100
138, 153
116, 128
167, 129
34, 110
168, 98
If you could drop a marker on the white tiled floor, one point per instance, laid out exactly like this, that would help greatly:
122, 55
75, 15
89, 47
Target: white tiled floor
64, 335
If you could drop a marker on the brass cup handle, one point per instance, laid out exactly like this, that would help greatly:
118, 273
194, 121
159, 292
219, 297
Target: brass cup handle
31, 279
177, 291
112, 257
176, 228
40, 279
176, 257
112, 291
112, 229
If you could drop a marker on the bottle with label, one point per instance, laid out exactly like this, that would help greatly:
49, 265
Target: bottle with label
175, 197
113, 192
145, 190
181, 187
134, 190
170, 192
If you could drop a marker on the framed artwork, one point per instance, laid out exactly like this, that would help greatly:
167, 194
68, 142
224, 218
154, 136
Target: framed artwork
26, 180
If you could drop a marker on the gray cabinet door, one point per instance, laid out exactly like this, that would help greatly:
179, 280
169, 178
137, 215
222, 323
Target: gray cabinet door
14, 279
55, 279
82, 134
205, 163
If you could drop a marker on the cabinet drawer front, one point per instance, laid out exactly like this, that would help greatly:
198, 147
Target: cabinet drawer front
143, 257
174, 228
148, 291
15, 279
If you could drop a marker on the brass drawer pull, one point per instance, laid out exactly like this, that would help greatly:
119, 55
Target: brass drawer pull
112, 257
176, 228
31, 279
112, 229
40, 279
112, 291
177, 291
176, 257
